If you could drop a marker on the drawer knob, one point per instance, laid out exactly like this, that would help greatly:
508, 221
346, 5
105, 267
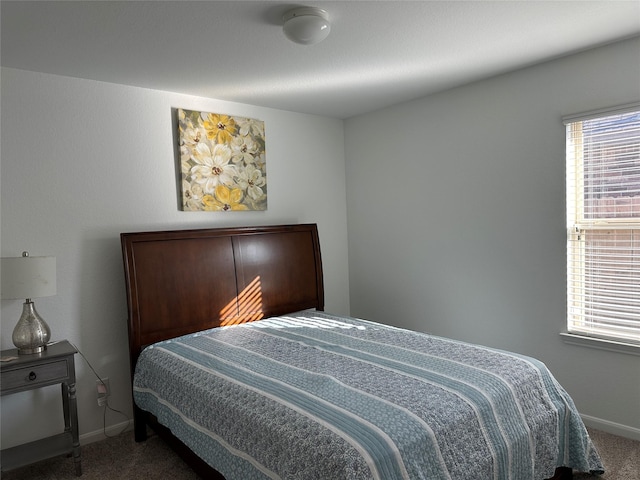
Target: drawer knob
32, 376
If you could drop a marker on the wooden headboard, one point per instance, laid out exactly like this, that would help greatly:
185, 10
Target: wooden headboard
184, 281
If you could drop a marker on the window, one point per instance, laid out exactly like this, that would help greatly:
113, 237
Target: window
603, 220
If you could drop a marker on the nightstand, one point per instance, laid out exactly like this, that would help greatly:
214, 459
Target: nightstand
27, 372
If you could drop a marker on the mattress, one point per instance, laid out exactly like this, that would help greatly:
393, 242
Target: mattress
315, 396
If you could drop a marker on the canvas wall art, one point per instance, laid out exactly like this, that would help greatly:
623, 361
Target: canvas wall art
222, 162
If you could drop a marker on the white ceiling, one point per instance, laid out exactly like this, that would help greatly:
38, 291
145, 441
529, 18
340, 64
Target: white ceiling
378, 53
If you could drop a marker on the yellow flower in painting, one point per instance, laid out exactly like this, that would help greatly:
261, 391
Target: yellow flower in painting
224, 199
220, 128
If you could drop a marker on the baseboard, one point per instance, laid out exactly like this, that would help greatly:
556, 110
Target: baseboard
101, 434
611, 427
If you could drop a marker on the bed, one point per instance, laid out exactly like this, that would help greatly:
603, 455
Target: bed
235, 363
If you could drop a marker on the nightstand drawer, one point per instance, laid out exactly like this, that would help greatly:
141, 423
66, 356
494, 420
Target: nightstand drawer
35, 375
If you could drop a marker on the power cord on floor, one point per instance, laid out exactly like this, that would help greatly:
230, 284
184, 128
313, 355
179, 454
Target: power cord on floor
106, 404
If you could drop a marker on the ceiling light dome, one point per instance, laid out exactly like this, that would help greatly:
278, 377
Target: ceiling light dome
306, 25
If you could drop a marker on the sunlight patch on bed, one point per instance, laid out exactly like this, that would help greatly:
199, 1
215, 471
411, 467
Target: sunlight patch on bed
304, 322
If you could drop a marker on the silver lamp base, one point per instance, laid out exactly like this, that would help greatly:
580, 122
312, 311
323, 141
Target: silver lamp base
31, 333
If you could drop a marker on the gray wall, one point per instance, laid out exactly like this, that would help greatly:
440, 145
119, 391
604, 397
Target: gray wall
455, 207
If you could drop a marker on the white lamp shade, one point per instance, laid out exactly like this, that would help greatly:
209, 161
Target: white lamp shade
307, 25
28, 277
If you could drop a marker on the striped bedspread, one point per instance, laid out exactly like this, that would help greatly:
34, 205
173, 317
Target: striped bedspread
312, 396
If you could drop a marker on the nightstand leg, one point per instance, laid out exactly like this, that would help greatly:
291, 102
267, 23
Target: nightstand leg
73, 410
65, 407
69, 405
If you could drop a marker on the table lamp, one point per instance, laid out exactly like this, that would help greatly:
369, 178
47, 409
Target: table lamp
29, 277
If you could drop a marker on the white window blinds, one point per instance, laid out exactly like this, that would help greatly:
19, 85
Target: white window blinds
603, 218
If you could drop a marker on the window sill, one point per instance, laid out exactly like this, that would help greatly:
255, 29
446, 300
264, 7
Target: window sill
600, 343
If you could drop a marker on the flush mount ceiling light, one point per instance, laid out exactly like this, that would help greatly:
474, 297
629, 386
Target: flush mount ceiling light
306, 25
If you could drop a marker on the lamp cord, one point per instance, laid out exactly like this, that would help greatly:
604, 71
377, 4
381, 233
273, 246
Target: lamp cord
106, 404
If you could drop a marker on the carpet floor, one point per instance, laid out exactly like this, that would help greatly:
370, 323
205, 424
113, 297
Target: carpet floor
121, 457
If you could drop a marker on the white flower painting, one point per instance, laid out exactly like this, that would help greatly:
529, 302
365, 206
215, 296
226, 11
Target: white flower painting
222, 160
